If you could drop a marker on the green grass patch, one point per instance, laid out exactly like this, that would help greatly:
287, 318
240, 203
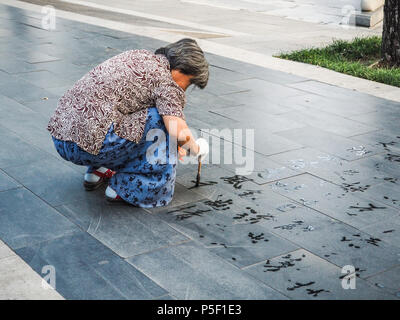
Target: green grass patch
359, 57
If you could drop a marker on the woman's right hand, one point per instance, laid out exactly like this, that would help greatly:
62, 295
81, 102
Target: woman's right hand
178, 129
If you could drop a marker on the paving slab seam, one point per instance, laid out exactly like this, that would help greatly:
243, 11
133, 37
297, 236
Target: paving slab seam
366, 156
120, 292
13, 188
160, 248
77, 225
282, 254
361, 134
355, 194
272, 181
43, 200
68, 233
148, 276
277, 290
24, 139
114, 287
276, 153
383, 271
233, 170
331, 182
366, 132
164, 295
149, 210
363, 123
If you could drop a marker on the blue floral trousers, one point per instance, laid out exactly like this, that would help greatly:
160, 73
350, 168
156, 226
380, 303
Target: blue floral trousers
145, 171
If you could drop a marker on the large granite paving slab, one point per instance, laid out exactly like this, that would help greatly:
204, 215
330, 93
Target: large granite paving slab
388, 142
226, 75
260, 140
45, 79
86, 269
51, 179
15, 151
341, 94
351, 175
353, 209
383, 119
303, 275
192, 272
25, 219
329, 122
388, 281
387, 193
23, 91
220, 226
262, 102
331, 143
200, 101
32, 126
262, 88
252, 119
334, 241
387, 164
45, 107
125, 229
259, 168
315, 103
387, 230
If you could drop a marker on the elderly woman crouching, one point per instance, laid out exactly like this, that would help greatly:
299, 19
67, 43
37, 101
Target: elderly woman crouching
102, 122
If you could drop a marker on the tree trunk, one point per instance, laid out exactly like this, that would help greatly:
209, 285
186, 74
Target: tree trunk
391, 33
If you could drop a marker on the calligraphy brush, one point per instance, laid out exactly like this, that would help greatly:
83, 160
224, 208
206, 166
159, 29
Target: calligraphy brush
198, 173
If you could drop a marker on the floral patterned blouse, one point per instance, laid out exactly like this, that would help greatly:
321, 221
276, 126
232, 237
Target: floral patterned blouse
118, 91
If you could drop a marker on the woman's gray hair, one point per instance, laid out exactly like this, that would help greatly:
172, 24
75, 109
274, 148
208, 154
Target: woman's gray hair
187, 57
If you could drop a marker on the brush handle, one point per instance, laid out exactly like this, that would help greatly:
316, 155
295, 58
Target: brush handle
198, 174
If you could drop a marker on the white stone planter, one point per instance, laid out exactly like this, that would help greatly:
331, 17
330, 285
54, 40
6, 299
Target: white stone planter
371, 5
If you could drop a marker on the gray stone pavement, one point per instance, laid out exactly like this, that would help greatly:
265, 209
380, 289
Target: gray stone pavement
324, 192
324, 12
266, 27
248, 35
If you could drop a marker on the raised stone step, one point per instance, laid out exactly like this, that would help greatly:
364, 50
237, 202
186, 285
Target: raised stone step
371, 15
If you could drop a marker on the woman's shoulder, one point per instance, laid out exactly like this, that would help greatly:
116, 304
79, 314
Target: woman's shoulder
146, 58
